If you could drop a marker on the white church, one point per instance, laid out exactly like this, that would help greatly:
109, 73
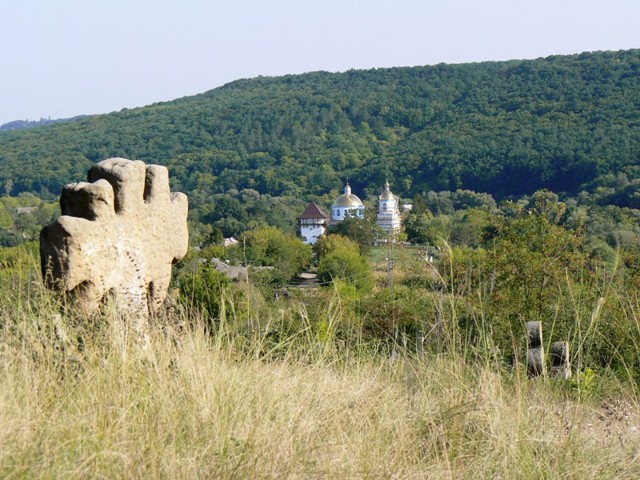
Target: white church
389, 218
346, 205
314, 221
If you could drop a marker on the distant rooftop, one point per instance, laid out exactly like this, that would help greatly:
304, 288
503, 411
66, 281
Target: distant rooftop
313, 211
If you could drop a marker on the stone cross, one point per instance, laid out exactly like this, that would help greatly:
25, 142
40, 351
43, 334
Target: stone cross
119, 234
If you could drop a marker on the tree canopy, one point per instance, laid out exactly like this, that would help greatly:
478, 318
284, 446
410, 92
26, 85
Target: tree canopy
504, 128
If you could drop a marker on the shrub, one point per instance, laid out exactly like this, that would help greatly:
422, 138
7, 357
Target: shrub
208, 291
341, 260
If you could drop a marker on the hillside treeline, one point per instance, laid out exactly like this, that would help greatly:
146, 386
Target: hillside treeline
565, 123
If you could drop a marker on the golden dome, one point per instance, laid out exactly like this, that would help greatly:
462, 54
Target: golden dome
347, 199
387, 195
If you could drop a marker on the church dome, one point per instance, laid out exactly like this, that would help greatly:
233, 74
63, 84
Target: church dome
386, 194
347, 199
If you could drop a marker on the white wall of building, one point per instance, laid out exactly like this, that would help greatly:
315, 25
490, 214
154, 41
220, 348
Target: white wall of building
311, 233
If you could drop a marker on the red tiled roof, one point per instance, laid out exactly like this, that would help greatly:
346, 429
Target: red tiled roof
313, 211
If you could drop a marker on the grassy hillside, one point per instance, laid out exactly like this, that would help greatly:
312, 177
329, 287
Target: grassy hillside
289, 391
188, 408
499, 127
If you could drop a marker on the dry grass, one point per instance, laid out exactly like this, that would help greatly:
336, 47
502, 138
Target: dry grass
190, 405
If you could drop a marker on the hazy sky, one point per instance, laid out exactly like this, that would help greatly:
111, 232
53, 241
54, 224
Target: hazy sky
62, 58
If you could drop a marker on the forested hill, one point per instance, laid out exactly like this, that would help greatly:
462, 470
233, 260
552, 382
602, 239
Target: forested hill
22, 124
499, 127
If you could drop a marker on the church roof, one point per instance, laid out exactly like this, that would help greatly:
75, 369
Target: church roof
313, 211
386, 194
347, 199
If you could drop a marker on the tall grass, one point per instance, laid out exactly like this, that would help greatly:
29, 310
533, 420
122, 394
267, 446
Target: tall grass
91, 401
292, 390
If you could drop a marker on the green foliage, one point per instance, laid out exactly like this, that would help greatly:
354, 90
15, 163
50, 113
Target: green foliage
268, 281
416, 226
457, 217
446, 202
341, 260
363, 231
10, 237
328, 243
585, 381
504, 128
233, 212
426, 229
213, 251
617, 227
465, 269
399, 309
22, 218
19, 267
348, 266
468, 227
534, 263
208, 291
5, 217
269, 246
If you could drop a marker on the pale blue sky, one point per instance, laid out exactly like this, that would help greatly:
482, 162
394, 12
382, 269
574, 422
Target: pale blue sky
62, 58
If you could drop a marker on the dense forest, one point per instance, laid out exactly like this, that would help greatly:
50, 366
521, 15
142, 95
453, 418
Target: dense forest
505, 128
253, 152
22, 124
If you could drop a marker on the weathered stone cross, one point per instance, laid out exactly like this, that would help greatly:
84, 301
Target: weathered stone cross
119, 233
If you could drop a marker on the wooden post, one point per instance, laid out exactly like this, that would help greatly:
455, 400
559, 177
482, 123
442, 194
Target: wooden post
560, 365
535, 353
420, 344
390, 265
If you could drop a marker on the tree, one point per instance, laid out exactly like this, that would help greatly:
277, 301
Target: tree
328, 243
5, 217
269, 246
363, 231
342, 260
534, 268
467, 227
463, 199
426, 229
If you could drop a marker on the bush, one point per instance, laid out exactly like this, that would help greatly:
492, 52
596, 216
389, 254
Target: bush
398, 309
208, 291
348, 265
269, 246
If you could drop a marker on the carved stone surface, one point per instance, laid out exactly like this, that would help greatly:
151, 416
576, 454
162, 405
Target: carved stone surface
119, 233
535, 352
560, 364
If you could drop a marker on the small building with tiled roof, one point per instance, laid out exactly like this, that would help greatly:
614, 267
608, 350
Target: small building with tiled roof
313, 223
